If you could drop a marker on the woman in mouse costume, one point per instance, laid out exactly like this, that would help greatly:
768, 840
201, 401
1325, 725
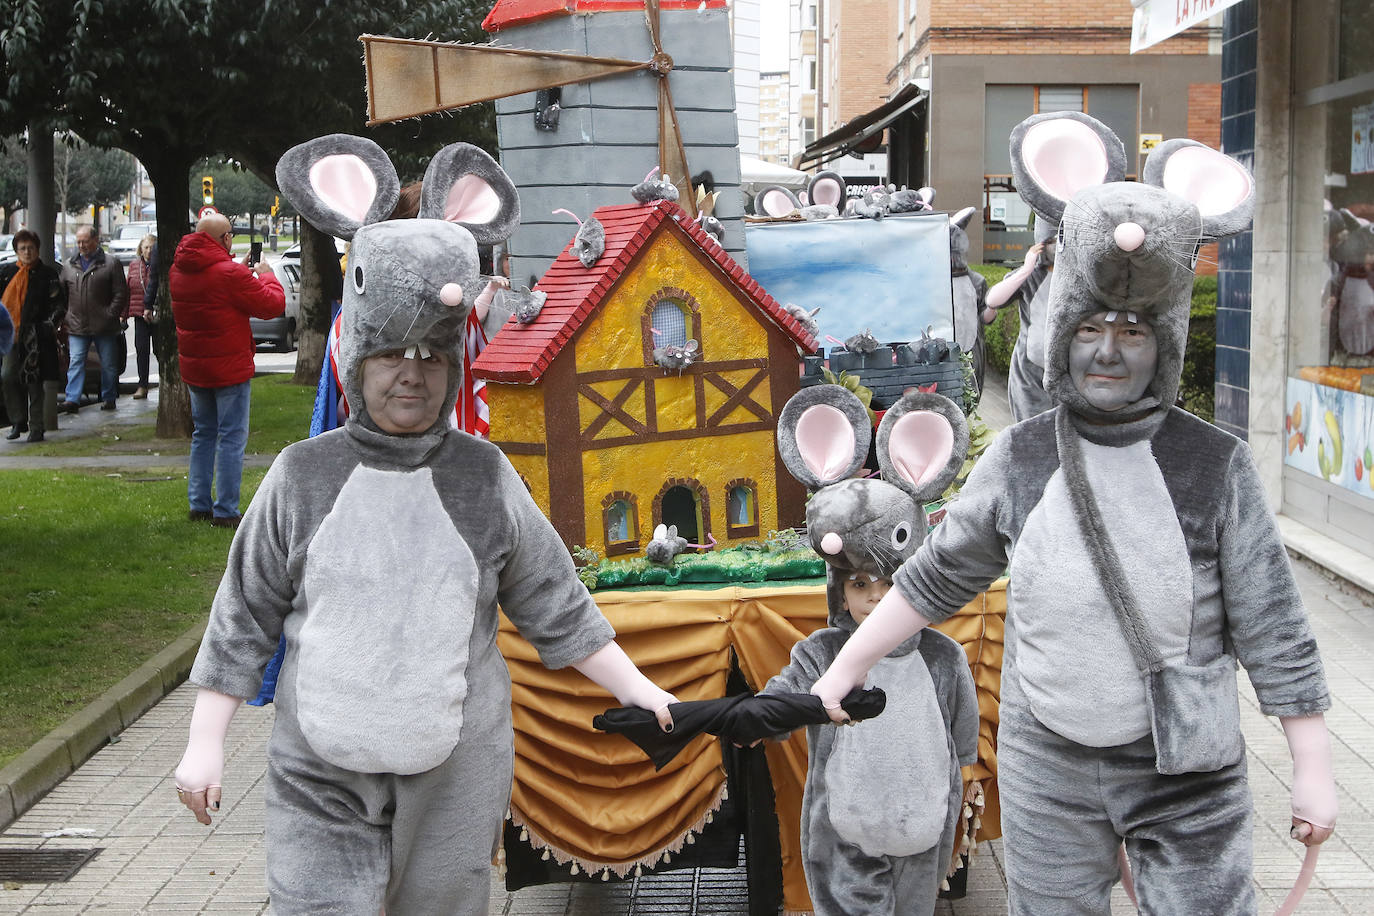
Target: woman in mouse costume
1144, 564
381, 550
862, 854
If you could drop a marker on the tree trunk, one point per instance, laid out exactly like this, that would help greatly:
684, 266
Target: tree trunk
170, 175
42, 209
321, 286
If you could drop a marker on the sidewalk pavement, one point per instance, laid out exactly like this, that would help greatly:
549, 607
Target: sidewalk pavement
154, 858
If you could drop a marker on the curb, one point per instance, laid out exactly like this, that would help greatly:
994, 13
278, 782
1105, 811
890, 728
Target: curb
34, 773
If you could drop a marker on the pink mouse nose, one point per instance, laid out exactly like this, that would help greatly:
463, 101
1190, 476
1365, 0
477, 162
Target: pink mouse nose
832, 543
1129, 236
451, 294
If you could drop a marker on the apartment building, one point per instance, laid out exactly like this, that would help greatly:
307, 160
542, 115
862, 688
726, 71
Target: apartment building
774, 88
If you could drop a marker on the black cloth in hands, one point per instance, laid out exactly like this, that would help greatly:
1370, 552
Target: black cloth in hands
743, 719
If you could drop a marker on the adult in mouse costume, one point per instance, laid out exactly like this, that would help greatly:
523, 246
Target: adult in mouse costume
381, 550
1144, 564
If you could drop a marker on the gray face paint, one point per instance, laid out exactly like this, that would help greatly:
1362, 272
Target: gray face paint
1112, 359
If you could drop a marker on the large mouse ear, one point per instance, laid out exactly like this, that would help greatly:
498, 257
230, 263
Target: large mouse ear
775, 200
464, 185
823, 435
922, 442
339, 183
961, 219
1221, 188
827, 188
1056, 155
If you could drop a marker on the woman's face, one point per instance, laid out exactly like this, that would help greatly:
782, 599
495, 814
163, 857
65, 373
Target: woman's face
27, 252
1112, 362
404, 395
145, 249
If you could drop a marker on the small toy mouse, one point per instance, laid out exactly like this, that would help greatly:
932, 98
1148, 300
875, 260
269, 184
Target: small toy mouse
665, 546
653, 188
590, 242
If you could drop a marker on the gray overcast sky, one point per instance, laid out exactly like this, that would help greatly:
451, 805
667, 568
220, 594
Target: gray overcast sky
773, 43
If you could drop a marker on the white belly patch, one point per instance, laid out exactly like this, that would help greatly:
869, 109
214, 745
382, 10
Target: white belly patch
383, 650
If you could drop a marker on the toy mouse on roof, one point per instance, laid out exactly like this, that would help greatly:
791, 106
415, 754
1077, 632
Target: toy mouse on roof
1145, 559
381, 551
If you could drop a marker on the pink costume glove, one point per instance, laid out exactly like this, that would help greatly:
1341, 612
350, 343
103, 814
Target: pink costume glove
1001, 294
1314, 786
610, 667
202, 766
892, 622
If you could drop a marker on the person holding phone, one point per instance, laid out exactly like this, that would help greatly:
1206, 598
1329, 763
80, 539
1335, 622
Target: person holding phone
213, 296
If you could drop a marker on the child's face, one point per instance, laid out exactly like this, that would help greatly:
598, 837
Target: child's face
862, 593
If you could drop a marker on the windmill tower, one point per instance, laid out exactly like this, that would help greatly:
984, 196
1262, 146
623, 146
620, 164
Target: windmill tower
590, 112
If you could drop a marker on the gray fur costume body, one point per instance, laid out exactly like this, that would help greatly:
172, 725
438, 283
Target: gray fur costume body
863, 852
1184, 509
382, 559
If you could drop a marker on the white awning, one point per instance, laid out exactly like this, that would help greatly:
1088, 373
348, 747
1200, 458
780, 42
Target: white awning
756, 174
1156, 20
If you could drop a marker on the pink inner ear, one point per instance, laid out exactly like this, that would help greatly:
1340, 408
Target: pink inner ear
1213, 181
919, 445
345, 184
825, 440
1064, 156
826, 192
776, 203
471, 200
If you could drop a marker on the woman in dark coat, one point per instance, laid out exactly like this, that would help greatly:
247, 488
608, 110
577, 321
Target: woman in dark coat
32, 294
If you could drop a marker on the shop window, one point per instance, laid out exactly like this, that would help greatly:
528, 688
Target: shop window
741, 509
620, 523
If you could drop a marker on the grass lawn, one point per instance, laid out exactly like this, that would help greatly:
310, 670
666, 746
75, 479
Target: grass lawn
101, 570
279, 415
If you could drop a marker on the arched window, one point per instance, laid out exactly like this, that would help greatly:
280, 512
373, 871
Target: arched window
671, 317
741, 509
620, 523
670, 323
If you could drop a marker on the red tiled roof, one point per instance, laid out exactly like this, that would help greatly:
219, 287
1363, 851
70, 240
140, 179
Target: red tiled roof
521, 353
507, 13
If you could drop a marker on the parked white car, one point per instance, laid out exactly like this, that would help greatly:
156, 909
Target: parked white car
123, 244
281, 332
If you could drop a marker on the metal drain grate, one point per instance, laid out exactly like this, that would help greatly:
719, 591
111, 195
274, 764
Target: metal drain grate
43, 866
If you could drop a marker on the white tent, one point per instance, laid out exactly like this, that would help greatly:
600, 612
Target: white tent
755, 175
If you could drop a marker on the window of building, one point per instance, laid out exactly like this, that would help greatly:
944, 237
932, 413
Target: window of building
671, 318
1328, 431
620, 523
809, 72
741, 509
808, 131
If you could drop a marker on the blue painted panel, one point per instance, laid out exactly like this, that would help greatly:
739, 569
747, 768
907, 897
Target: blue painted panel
1233, 367
890, 276
1233, 328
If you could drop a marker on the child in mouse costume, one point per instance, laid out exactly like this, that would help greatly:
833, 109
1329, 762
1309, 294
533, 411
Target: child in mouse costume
866, 853
1144, 561
381, 550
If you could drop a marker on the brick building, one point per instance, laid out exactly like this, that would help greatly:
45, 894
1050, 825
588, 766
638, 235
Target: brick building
960, 74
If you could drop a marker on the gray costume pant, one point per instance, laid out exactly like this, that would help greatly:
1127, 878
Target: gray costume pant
1065, 808
341, 842
1026, 385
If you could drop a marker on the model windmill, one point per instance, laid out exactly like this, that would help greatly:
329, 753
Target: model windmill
578, 128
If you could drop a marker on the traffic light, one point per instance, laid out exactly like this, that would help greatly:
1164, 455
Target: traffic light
207, 190
276, 205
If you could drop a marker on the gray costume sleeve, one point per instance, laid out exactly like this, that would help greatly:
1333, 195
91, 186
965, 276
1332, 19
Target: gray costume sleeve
810, 657
1264, 610
968, 550
254, 596
539, 589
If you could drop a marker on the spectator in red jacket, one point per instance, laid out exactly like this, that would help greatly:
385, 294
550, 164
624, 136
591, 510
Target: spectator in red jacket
213, 297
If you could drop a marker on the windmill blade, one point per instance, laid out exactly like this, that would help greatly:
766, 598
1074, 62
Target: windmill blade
672, 157
651, 14
407, 78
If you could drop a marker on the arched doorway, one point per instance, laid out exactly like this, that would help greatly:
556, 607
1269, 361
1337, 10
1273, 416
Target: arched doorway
683, 503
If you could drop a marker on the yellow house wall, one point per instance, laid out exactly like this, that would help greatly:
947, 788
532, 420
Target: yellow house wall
729, 331
516, 414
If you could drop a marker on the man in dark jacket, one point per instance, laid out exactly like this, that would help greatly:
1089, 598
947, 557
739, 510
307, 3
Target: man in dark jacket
213, 297
32, 294
97, 296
